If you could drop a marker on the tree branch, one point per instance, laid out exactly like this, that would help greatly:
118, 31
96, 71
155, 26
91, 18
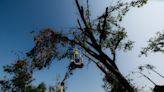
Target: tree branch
97, 63
88, 29
102, 32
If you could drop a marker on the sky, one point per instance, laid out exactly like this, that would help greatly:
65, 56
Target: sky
19, 17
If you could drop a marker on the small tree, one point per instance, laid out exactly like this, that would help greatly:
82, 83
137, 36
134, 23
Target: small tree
42, 87
20, 77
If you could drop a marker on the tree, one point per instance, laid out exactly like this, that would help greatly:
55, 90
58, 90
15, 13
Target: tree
150, 67
157, 88
92, 38
111, 84
42, 87
20, 77
155, 44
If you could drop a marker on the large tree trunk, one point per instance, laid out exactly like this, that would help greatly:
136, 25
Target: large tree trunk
102, 57
118, 75
122, 80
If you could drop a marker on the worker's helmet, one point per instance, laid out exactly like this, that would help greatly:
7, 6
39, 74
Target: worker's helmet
76, 52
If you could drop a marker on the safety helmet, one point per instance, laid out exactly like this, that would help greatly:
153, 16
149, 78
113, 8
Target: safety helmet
76, 52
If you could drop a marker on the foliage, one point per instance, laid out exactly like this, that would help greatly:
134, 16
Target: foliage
151, 68
91, 38
42, 87
147, 68
155, 44
111, 84
21, 77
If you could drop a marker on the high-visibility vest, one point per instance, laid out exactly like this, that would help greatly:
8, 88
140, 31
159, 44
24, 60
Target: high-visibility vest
76, 52
61, 89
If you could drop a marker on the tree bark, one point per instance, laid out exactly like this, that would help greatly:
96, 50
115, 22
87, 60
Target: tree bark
102, 57
120, 78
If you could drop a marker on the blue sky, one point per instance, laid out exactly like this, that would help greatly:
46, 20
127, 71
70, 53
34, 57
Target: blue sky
19, 17
142, 24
